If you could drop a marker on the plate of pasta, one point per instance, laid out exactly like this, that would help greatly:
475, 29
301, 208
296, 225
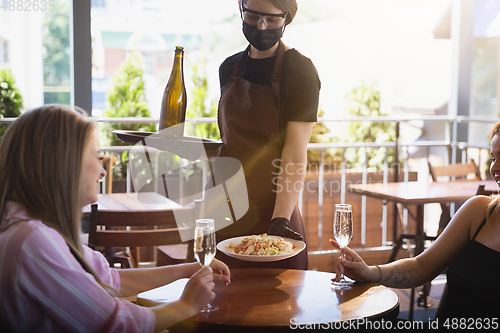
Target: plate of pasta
261, 248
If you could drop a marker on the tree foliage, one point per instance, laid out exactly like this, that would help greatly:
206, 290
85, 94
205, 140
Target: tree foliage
56, 52
198, 95
56, 61
126, 98
364, 101
11, 100
320, 134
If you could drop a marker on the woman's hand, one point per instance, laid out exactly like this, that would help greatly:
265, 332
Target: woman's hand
353, 265
221, 271
198, 291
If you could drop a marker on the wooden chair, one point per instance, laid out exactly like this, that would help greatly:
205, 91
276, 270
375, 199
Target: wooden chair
108, 162
466, 171
161, 229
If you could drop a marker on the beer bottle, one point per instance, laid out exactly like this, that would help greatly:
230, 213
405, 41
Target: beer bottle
174, 100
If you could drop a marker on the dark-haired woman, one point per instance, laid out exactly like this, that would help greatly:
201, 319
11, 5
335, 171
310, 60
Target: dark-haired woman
469, 248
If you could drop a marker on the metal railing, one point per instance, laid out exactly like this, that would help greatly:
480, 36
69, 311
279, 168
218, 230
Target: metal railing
400, 147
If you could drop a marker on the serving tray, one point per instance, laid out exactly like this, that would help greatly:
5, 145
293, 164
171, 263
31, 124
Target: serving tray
188, 147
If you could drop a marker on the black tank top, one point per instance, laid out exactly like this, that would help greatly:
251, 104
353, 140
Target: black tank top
474, 283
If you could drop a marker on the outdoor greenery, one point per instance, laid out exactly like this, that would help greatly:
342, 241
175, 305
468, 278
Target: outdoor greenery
198, 95
56, 52
320, 134
362, 101
126, 98
197, 108
11, 100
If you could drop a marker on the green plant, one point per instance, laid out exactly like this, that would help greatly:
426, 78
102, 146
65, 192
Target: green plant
320, 134
197, 108
126, 99
364, 101
56, 52
11, 100
198, 94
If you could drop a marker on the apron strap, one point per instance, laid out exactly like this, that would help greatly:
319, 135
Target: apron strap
278, 65
241, 63
276, 78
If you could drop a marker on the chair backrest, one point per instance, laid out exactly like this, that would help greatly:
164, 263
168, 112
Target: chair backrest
108, 163
464, 171
467, 170
157, 227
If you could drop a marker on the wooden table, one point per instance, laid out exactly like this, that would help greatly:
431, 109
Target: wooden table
277, 299
419, 194
422, 193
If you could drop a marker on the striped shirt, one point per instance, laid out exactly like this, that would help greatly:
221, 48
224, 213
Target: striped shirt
43, 288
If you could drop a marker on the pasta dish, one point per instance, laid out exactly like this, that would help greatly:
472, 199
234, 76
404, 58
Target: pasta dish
262, 245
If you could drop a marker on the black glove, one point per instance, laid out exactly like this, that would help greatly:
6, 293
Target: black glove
279, 226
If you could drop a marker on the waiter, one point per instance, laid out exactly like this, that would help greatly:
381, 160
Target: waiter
268, 105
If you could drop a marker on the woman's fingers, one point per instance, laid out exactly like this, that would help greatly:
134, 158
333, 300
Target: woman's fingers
222, 272
334, 243
198, 291
351, 255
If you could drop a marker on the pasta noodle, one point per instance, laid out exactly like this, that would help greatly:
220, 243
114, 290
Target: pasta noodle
262, 245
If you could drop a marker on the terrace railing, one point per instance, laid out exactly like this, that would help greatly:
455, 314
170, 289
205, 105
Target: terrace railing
459, 151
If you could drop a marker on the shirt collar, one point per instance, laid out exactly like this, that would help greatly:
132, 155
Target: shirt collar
14, 212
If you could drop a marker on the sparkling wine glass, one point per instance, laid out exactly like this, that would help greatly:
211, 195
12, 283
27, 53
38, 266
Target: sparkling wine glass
205, 247
342, 231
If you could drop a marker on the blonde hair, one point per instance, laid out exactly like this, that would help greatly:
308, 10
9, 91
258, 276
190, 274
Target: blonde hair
494, 206
41, 158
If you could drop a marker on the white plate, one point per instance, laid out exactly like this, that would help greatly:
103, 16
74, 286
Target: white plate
224, 248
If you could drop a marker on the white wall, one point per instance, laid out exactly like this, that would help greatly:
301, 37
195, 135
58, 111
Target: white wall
23, 32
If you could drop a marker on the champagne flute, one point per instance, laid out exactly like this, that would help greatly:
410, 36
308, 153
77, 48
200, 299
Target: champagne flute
342, 231
204, 248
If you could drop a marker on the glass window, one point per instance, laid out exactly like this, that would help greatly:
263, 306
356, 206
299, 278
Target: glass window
154, 28
32, 46
485, 66
56, 54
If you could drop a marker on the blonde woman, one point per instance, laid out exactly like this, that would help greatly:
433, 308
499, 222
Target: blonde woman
49, 170
469, 248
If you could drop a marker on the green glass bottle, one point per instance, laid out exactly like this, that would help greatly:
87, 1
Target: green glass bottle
174, 100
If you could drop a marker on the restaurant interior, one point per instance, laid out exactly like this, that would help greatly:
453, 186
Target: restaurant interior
409, 93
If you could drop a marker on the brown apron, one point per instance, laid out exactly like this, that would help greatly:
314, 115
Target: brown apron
248, 122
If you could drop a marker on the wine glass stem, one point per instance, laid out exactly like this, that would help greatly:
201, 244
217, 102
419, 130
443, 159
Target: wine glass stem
342, 256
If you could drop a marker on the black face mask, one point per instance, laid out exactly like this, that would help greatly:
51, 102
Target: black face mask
262, 39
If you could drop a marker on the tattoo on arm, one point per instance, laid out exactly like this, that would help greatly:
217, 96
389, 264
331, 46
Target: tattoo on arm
399, 275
